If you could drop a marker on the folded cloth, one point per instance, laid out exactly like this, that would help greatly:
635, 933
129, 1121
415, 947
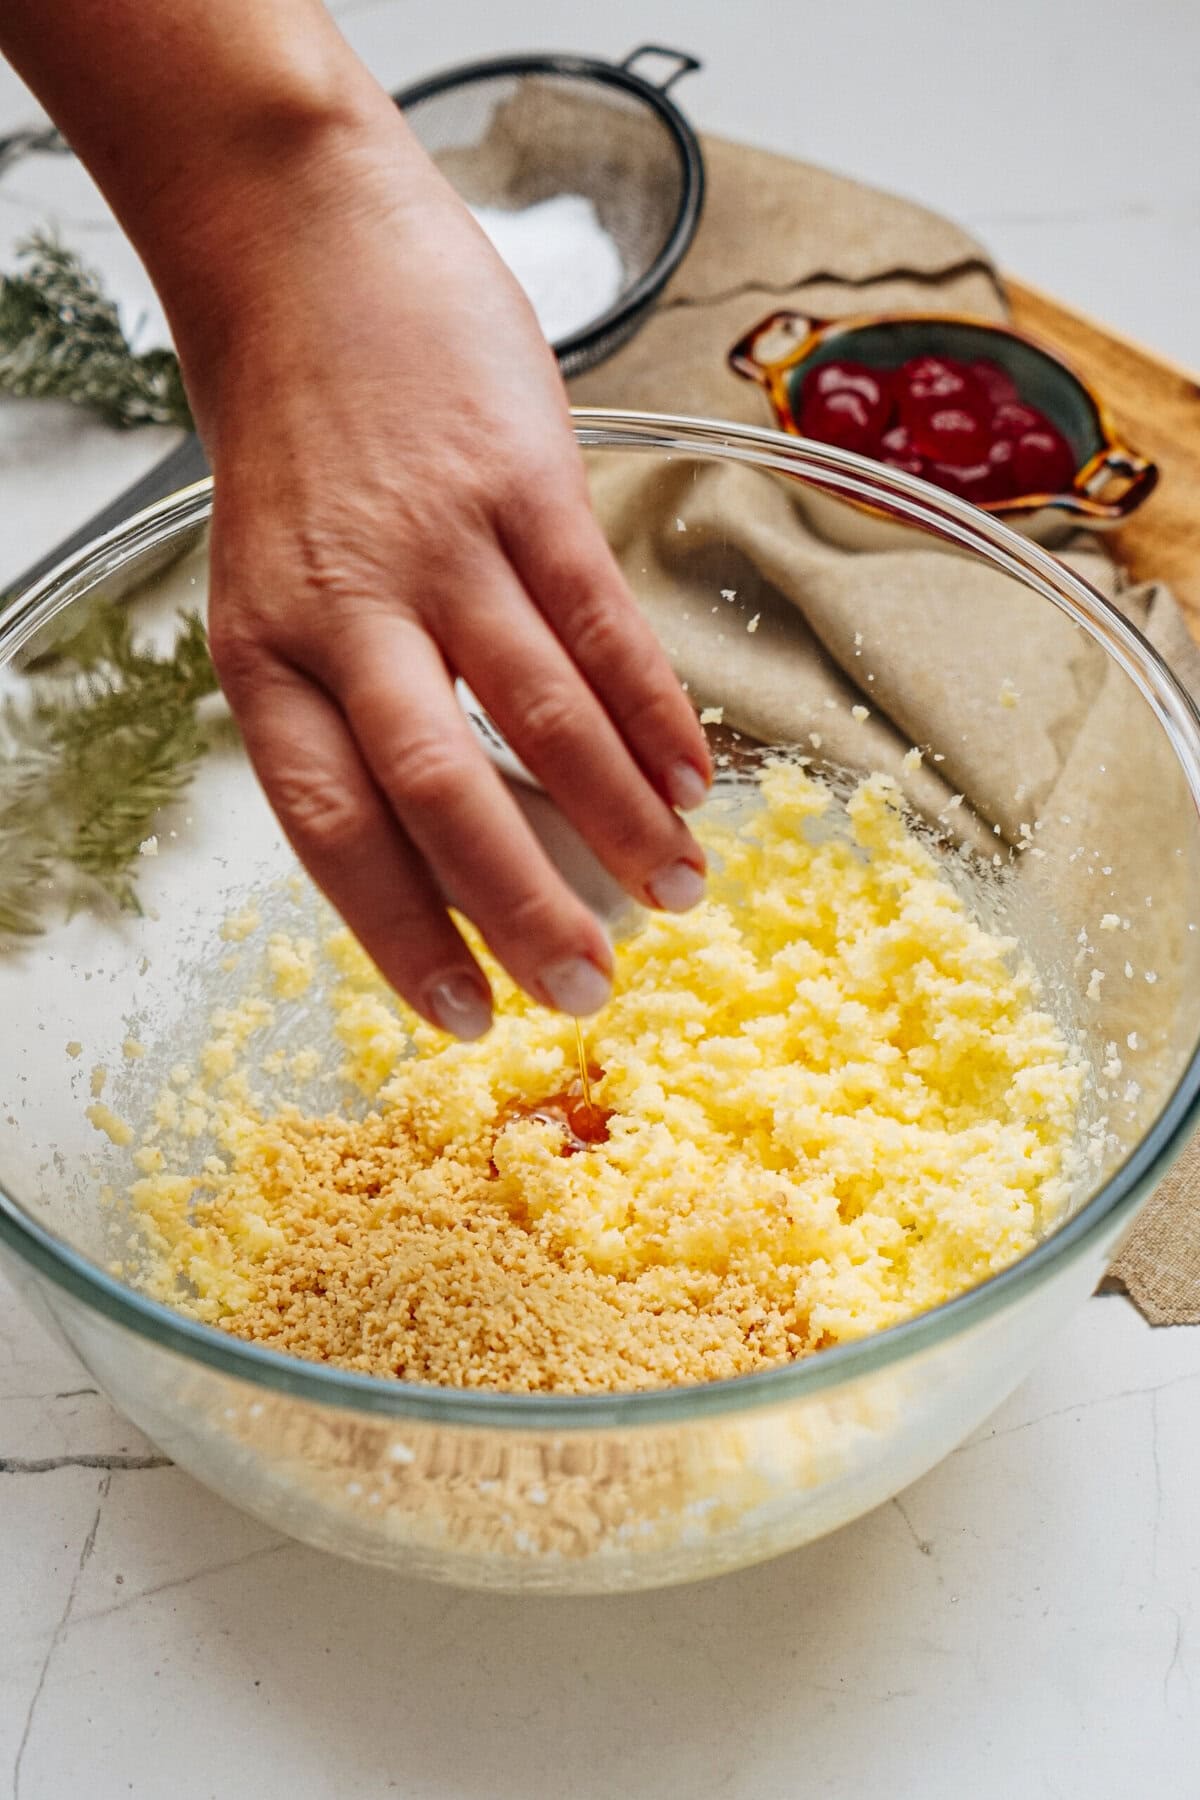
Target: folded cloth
780, 233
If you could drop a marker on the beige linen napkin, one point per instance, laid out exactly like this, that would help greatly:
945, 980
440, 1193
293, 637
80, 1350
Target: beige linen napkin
778, 233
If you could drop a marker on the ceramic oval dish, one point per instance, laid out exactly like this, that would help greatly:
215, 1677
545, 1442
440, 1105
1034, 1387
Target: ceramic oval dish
1111, 480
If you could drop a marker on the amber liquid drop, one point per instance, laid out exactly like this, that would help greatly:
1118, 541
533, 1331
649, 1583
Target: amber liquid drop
582, 1122
585, 1079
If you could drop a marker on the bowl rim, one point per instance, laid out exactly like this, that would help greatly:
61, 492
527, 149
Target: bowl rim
1101, 1217
1081, 502
632, 300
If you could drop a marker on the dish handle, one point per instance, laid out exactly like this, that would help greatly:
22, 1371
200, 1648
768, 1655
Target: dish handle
782, 337
1101, 495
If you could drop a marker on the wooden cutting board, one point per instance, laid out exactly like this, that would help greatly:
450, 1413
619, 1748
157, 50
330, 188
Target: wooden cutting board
1156, 405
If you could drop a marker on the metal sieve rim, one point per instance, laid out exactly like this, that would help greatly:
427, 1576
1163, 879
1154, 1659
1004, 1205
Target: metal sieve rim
586, 346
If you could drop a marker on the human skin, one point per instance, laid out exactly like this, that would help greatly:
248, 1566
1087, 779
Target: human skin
398, 496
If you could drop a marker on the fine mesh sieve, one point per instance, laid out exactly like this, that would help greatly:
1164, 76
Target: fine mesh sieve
520, 130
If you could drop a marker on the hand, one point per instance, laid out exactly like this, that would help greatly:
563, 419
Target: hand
399, 500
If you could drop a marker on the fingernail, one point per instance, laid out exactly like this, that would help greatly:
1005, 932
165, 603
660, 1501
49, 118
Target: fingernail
686, 786
462, 1006
676, 888
576, 986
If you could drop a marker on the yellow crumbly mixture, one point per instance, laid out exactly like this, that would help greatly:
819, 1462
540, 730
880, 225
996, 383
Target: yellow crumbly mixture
835, 1102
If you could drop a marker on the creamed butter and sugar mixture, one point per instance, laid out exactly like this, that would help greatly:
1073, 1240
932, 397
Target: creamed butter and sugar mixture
832, 1100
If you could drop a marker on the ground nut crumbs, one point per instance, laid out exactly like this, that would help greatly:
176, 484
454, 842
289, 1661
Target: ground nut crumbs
829, 1109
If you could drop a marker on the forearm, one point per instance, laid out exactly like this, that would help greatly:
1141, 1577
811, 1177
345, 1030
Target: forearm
398, 495
191, 114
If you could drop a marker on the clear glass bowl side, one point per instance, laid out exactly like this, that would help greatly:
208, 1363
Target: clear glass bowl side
581, 1511
695, 512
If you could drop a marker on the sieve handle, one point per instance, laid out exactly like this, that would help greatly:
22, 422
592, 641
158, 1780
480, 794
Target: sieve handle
684, 64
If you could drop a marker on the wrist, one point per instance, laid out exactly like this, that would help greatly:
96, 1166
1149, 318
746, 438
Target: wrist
261, 179
221, 181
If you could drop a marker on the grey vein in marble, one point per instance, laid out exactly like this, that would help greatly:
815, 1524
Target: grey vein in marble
45, 1465
60, 1632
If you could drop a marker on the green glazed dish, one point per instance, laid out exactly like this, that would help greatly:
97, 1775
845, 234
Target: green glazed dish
1111, 479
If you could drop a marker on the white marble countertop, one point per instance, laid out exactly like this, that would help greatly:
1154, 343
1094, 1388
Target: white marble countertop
1024, 1621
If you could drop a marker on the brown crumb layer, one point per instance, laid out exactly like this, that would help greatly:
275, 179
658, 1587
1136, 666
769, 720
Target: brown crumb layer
395, 1266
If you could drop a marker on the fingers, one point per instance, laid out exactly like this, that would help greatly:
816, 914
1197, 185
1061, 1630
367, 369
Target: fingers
382, 786
557, 726
348, 840
564, 560
394, 688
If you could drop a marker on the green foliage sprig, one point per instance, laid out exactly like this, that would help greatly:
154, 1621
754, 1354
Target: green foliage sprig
91, 749
61, 338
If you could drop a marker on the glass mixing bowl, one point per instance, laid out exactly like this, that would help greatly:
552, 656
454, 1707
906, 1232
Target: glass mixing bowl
1079, 756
